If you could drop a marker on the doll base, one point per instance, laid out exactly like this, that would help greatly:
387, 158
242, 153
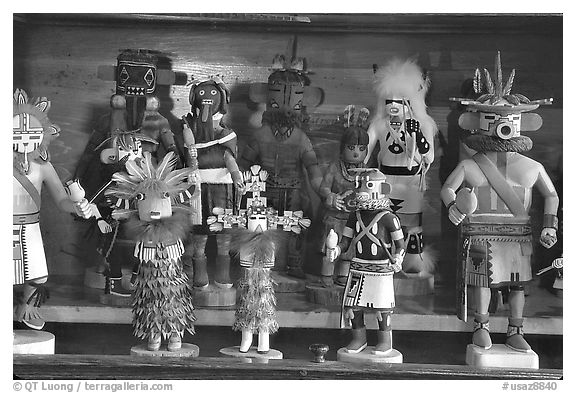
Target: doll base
413, 284
287, 284
252, 356
33, 342
326, 296
500, 356
115, 300
94, 277
368, 356
213, 296
187, 351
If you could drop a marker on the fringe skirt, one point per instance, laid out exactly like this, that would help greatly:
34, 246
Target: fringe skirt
256, 309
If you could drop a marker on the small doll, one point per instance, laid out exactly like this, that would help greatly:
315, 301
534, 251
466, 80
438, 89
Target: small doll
255, 241
162, 304
32, 132
374, 243
406, 136
489, 196
338, 184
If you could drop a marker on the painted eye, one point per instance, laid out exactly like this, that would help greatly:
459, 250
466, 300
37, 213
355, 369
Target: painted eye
298, 106
140, 196
213, 92
363, 148
370, 185
165, 195
274, 104
201, 92
350, 147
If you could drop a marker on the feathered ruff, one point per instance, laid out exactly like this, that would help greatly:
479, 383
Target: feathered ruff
404, 79
162, 302
166, 229
257, 247
485, 143
281, 121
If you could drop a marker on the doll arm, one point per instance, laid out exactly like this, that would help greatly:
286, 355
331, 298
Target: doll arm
448, 193
550, 223
232, 167
310, 162
58, 193
250, 154
372, 139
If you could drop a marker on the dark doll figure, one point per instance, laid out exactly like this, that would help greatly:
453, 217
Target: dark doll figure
282, 147
374, 243
338, 184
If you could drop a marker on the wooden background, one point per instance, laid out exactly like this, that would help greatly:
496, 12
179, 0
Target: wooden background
57, 56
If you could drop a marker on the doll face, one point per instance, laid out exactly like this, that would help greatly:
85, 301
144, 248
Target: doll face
354, 154
504, 126
396, 107
256, 222
371, 186
27, 133
207, 97
135, 78
153, 206
285, 91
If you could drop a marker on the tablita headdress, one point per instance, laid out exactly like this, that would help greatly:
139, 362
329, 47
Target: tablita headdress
497, 97
404, 80
32, 130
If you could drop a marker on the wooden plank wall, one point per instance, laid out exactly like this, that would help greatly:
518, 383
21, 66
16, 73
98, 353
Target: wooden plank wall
57, 56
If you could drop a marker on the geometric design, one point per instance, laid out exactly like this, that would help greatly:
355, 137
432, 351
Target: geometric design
396, 204
123, 76
149, 77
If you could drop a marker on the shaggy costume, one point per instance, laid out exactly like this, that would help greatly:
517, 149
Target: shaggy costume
256, 308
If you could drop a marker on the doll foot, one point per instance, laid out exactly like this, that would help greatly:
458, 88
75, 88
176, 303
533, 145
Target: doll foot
515, 338
358, 343
175, 342
384, 345
481, 336
327, 281
114, 287
341, 281
34, 323
154, 342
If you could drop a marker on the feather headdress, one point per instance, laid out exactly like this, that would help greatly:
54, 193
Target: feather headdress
404, 79
498, 97
142, 177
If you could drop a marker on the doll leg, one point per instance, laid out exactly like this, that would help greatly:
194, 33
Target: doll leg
326, 272
154, 340
175, 341
358, 342
246, 340
384, 333
113, 276
481, 336
342, 267
263, 342
34, 295
199, 261
515, 334
222, 276
294, 263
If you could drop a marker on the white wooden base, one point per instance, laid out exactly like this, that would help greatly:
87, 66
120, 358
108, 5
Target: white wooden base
326, 296
500, 356
413, 284
115, 300
214, 296
287, 284
368, 356
187, 351
252, 355
33, 342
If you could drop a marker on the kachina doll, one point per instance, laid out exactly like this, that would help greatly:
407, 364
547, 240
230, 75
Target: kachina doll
215, 153
255, 241
493, 205
406, 136
374, 243
281, 145
32, 132
337, 187
158, 222
133, 125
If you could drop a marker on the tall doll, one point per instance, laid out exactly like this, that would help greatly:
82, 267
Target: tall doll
151, 202
489, 197
32, 132
406, 136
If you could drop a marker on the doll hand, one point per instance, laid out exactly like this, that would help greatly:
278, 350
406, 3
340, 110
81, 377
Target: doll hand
237, 180
348, 314
455, 215
83, 209
336, 201
397, 260
104, 226
333, 253
548, 237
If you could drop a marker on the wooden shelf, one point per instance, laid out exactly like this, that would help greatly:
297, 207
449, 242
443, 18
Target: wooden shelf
71, 302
